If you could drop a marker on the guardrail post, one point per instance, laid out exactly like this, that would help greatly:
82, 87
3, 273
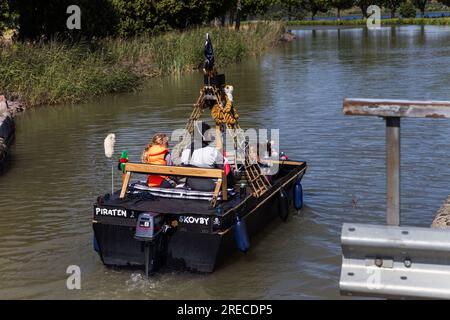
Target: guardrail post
393, 170
392, 261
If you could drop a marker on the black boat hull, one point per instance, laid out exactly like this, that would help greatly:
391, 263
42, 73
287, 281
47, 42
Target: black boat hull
197, 250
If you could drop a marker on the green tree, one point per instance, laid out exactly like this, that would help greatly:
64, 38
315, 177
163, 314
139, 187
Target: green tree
45, 19
316, 6
292, 7
445, 2
8, 16
363, 5
4, 15
255, 7
137, 16
341, 5
421, 5
239, 9
407, 10
393, 5
181, 14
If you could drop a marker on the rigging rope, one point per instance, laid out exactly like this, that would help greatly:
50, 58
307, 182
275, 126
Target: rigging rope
225, 113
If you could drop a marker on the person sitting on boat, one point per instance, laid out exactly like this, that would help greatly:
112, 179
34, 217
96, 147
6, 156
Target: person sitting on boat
157, 152
203, 154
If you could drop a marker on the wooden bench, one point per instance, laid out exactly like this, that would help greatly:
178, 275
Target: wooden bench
176, 171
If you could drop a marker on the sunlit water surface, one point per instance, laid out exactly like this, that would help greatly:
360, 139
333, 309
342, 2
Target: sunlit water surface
58, 166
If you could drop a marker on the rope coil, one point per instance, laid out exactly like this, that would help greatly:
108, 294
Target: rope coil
224, 112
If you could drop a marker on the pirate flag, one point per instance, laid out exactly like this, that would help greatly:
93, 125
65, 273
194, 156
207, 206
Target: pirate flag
209, 54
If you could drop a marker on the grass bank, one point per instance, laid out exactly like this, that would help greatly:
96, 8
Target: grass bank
58, 72
361, 22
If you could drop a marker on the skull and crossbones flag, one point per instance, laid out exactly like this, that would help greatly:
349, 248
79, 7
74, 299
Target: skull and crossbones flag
209, 54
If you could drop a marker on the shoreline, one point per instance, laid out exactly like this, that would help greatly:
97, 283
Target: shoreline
56, 72
8, 109
362, 22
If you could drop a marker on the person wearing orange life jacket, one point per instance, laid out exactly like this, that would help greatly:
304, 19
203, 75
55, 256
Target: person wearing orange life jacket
157, 152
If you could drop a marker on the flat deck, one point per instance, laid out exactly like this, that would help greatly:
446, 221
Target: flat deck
167, 205
145, 202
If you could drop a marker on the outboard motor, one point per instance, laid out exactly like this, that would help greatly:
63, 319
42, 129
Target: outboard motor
148, 226
149, 229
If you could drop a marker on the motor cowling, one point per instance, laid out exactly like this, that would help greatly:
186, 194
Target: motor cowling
149, 226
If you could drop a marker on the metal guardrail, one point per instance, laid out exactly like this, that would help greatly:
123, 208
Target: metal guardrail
393, 261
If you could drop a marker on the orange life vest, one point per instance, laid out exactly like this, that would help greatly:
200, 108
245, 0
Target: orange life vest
156, 155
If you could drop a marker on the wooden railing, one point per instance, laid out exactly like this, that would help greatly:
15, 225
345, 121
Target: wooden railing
218, 174
392, 111
395, 261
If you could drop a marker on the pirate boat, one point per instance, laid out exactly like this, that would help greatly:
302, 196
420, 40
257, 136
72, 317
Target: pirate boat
186, 229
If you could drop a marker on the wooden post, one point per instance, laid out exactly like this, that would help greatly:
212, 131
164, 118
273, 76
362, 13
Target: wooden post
125, 184
216, 192
219, 144
224, 187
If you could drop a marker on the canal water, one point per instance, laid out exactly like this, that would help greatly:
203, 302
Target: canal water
59, 168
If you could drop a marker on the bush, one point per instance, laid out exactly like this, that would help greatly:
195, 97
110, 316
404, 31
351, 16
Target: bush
100, 18
141, 16
5, 16
46, 19
39, 74
407, 10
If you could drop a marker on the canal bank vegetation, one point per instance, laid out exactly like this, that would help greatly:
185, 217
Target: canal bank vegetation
57, 72
120, 43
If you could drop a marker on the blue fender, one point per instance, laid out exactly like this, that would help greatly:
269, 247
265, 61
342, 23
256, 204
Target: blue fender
298, 195
95, 244
240, 235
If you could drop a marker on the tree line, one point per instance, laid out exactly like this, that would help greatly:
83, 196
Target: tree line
297, 8
37, 19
